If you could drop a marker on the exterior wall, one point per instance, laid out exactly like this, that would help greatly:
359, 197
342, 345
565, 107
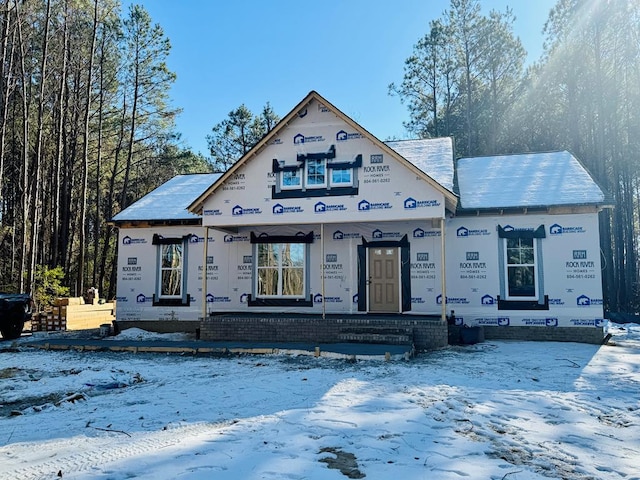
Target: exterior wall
570, 271
231, 282
573, 285
138, 269
230, 269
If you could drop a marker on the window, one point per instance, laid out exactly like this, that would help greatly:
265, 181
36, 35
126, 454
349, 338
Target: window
521, 268
341, 176
291, 179
521, 275
316, 173
170, 271
281, 270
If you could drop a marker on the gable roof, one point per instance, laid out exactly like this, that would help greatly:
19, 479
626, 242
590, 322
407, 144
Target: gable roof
196, 206
526, 181
169, 201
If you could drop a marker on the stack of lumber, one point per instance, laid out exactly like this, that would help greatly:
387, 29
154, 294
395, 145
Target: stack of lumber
73, 313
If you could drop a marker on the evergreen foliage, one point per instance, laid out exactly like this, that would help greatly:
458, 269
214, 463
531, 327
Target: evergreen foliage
466, 79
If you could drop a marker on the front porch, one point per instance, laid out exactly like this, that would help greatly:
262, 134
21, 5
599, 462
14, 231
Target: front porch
423, 332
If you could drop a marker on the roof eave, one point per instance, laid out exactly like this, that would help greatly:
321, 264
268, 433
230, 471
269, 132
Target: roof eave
572, 208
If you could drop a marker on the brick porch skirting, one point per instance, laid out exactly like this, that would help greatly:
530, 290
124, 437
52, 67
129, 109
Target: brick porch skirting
425, 332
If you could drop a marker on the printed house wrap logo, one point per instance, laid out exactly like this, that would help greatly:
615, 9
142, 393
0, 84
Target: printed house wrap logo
556, 229
127, 240
238, 211
378, 234
322, 207
487, 300
213, 299
343, 136
365, 206
279, 209
452, 300
420, 233
141, 298
299, 138
318, 298
584, 301
339, 235
412, 203
500, 321
228, 238
465, 232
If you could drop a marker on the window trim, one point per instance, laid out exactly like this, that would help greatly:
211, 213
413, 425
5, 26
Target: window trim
508, 266
303, 300
539, 301
289, 170
280, 268
340, 184
184, 299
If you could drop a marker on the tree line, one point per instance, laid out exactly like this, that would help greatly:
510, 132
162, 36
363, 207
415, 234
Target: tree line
467, 78
86, 128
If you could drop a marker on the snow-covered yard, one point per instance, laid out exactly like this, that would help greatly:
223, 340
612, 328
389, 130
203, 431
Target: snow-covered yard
496, 410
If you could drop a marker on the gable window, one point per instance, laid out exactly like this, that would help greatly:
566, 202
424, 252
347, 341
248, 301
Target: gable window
316, 171
521, 279
171, 274
341, 176
315, 175
291, 179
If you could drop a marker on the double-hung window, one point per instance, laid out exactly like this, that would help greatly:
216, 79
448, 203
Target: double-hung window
521, 268
281, 270
171, 273
521, 279
170, 277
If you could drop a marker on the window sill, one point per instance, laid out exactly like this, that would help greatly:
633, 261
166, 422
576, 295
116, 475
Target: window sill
170, 302
279, 302
523, 304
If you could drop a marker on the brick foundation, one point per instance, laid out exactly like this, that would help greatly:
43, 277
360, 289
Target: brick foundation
428, 332
555, 334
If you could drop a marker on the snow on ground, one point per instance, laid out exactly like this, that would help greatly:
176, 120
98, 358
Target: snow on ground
496, 410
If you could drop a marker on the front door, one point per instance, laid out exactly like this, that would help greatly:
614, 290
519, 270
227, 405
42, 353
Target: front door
384, 280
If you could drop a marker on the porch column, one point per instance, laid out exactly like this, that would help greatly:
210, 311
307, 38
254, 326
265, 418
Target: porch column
204, 273
322, 267
443, 270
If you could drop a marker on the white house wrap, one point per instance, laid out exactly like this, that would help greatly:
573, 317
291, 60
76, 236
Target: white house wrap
321, 218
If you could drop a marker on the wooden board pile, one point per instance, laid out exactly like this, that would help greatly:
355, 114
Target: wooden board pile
72, 314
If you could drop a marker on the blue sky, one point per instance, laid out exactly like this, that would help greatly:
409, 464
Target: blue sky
349, 51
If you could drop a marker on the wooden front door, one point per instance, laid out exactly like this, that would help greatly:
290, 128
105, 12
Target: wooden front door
384, 281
